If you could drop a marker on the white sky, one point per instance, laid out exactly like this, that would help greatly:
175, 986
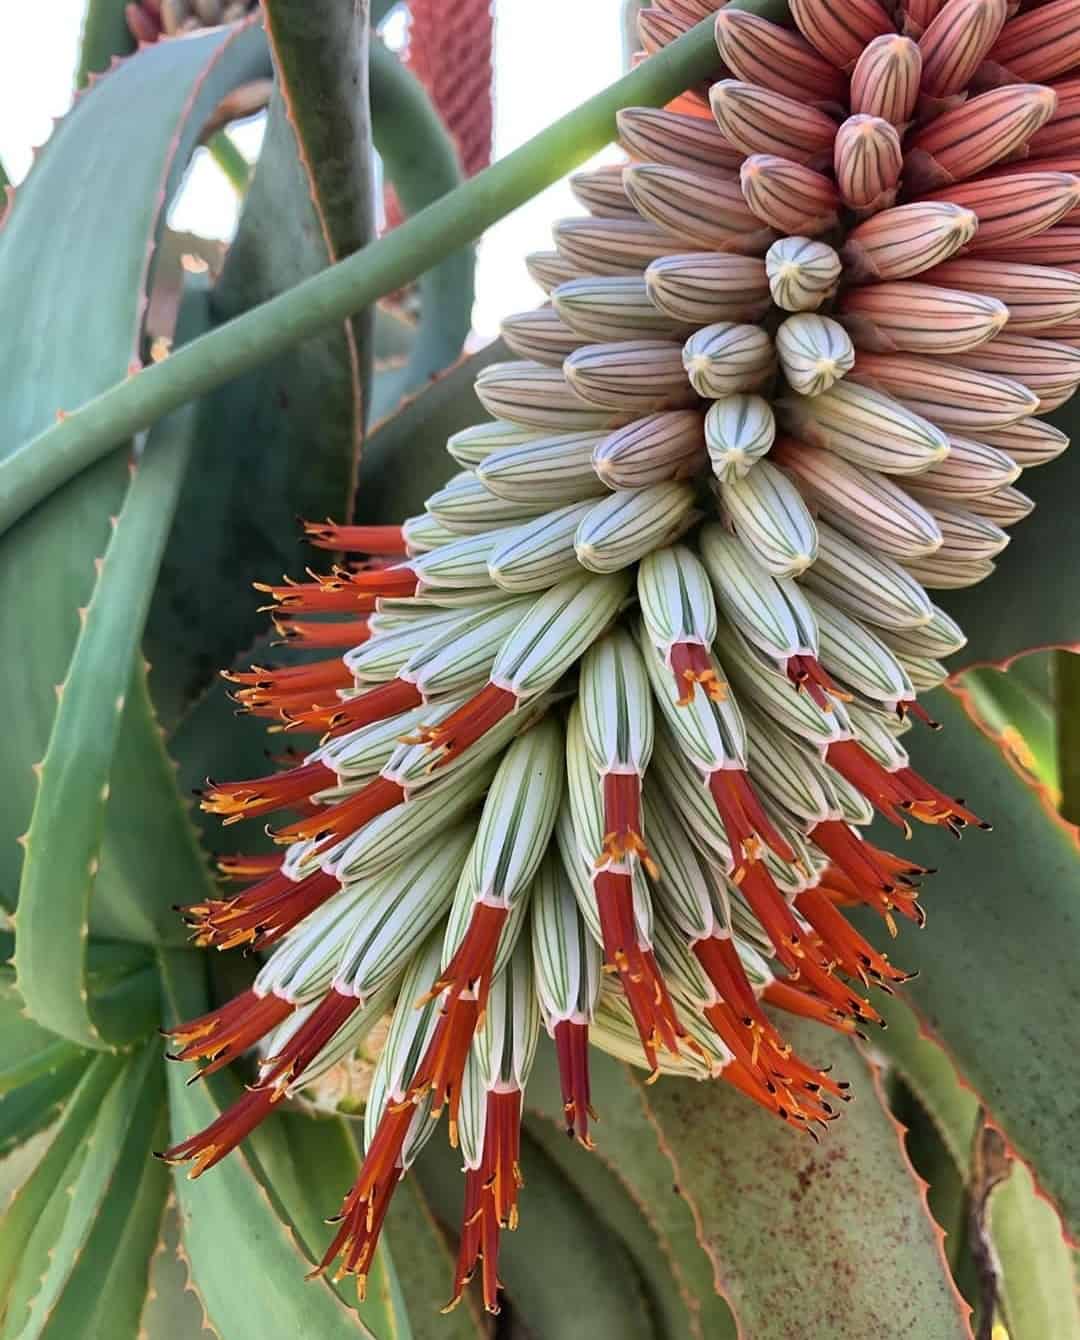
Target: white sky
540, 74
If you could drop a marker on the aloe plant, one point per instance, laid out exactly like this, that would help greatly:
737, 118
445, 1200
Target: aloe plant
606, 718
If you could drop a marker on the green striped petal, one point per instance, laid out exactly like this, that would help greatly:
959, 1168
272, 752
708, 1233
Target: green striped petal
616, 705
739, 431
566, 958
771, 519
867, 585
538, 553
626, 525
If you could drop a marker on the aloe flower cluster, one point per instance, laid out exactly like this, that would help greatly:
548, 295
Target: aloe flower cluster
595, 738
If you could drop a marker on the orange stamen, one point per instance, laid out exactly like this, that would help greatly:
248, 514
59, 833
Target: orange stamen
692, 665
263, 795
226, 1033
622, 821
745, 821
338, 821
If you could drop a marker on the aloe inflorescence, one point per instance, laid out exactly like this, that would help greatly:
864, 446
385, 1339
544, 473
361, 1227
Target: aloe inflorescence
599, 732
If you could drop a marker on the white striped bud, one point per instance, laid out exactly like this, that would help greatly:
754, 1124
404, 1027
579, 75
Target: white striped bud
759, 683
739, 431
771, 519
677, 606
667, 445
467, 506
361, 753
566, 958
963, 533
548, 269
419, 820
802, 273
619, 246
866, 427
864, 504
708, 726
681, 783
692, 894
925, 673
942, 636
558, 629
654, 135
601, 192
971, 470
945, 572
400, 908
856, 658
554, 471
772, 613
474, 444
867, 585
423, 533
505, 1041
696, 209
518, 817
814, 352
787, 773
627, 525
867, 160
458, 659
701, 287
1029, 442
1004, 507
616, 706
539, 553
612, 307
638, 375
724, 359
538, 397
957, 399
455, 566
540, 335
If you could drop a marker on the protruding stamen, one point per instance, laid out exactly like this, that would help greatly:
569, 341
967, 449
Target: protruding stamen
385, 700
470, 722
806, 673
491, 1197
320, 633
226, 1033
745, 822
263, 795
691, 664
622, 821
277, 1072
222, 1136
572, 1051
646, 991
260, 915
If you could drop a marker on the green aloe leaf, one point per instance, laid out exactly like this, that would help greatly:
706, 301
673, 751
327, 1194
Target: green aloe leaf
67, 829
27, 1051
285, 439
31, 1107
105, 1209
421, 162
247, 1262
121, 153
307, 1164
1024, 721
809, 1240
105, 34
567, 1276
172, 1309
1038, 1284
425, 1266
1000, 947
627, 1180
33, 1195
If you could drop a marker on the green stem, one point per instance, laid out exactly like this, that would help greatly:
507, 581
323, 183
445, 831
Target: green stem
231, 161
1067, 693
87, 433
